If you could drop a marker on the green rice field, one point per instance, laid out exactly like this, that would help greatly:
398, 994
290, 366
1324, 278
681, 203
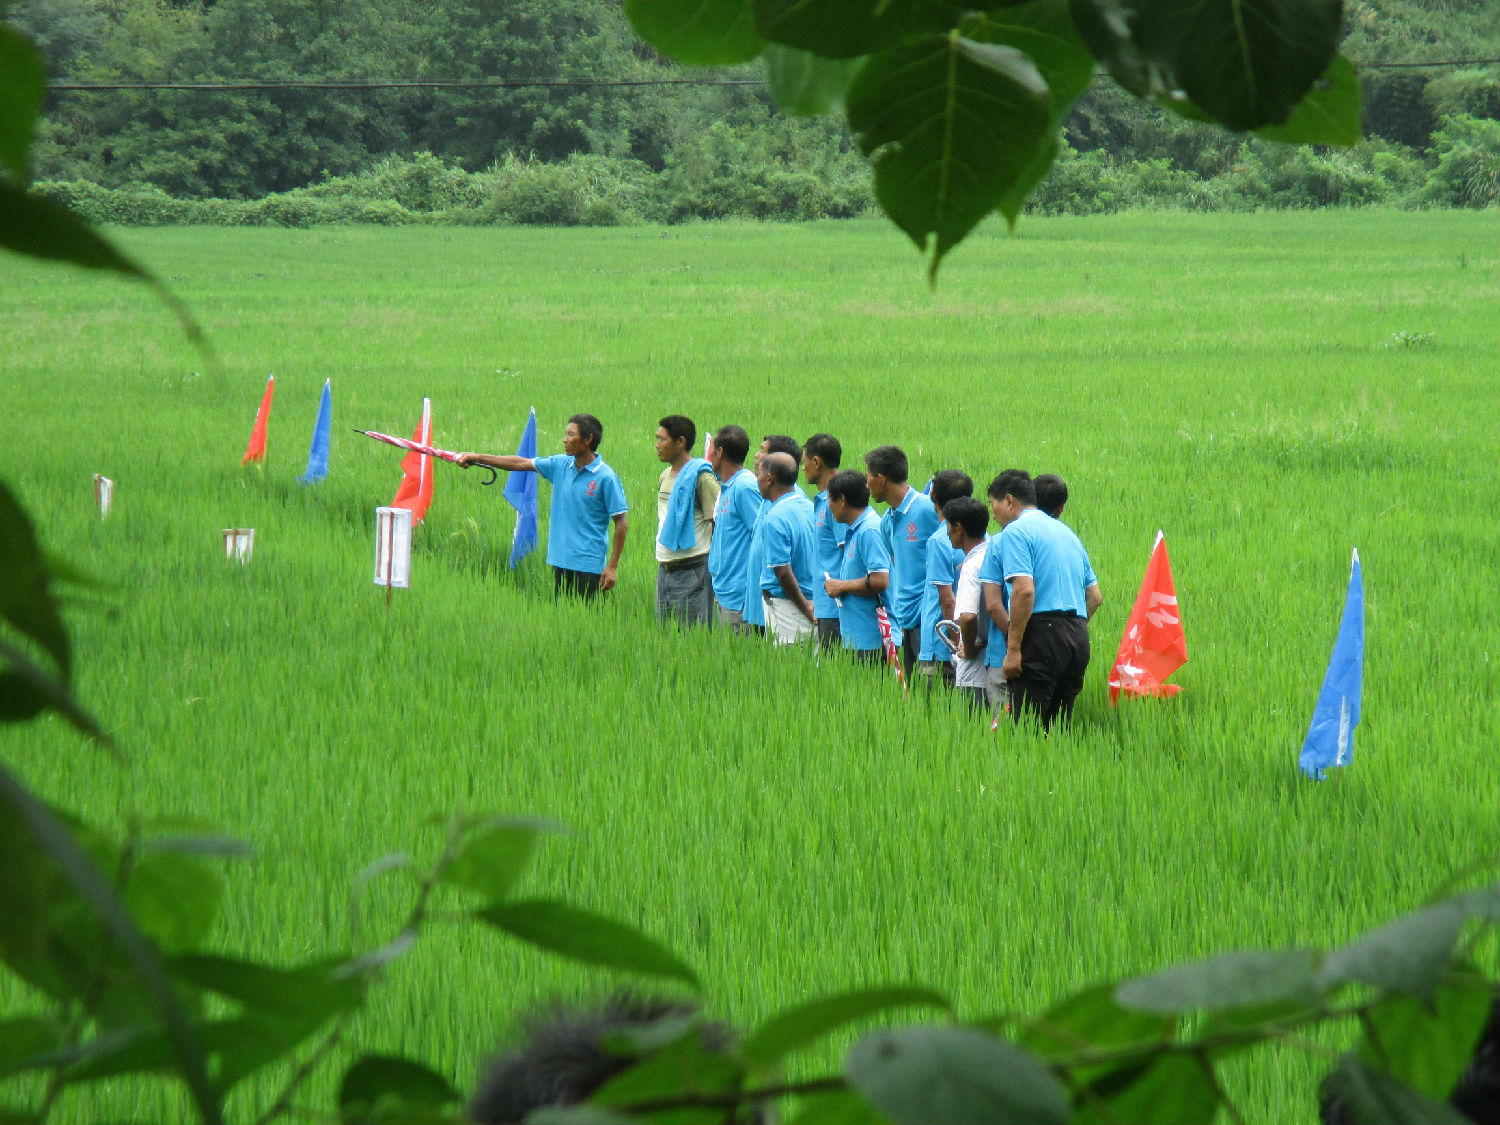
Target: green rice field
1271, 390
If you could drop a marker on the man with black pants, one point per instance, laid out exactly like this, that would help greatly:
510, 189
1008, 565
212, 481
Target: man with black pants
1053, 593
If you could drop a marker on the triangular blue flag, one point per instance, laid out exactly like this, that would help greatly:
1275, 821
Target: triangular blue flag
521, 491
317, 456
1330, 738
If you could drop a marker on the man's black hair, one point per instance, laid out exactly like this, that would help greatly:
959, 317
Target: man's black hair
567, 1056
733, 442
781, 470
969, 514
950, 484
1051, 494
887, 461
680, 426
826, 447
1014, 482
781, 443
850, 487
590, 429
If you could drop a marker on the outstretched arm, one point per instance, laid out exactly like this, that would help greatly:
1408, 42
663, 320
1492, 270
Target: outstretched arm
509, 462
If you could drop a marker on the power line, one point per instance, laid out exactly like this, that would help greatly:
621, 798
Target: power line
541, 83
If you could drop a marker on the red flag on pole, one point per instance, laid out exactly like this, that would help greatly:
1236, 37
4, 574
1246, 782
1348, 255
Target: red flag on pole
257, 447
888, 639
415, 491
1154, 645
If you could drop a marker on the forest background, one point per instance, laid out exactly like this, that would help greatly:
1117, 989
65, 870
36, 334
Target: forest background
702, 144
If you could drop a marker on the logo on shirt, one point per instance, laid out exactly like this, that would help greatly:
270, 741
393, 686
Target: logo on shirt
592, 488
911, 532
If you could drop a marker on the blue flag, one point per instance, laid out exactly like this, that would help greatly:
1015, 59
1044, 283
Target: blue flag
520, 490
317, 456
1330, 738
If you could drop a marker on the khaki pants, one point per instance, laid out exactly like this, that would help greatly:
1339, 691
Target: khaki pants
785, 623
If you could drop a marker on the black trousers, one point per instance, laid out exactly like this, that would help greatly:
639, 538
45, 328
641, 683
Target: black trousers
911, 645
1054, 657
578, 583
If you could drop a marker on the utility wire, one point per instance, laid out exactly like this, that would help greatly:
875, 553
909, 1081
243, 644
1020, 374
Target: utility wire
542, 83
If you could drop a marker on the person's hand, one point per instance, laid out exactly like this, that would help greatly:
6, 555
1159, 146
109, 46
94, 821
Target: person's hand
464, 460
607, 579
832, 587
1012, 664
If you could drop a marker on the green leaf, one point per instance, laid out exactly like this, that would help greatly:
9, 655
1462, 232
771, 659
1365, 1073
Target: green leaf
1169, 1090
803, 84
1092, 1018
1246, 62
1230, 980
17, 1115
683, 1068
585, 1114
1328, 115
491, 861
835, 1107
701, 32
40, 228
1427, 1047
26, 689
956, 1075
796, 1027
846, 29
583, 936
1483, 903
1407, 955
221, 847
174, 900
314, 992
20, 100
384, 1088
1372, 1098
25, 1037
25, 601
951, 127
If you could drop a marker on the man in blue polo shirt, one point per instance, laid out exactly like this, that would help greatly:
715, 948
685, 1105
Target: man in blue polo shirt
734, 521
908, 523
782, 554
1053, 593
934, 658
864, 571
586, 497
820, 463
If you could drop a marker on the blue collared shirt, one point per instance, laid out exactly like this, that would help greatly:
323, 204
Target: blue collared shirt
990, 570
906, 528
784, 536
943, 561
734, 523
583, 502
1046, 551
865, 553
828, 535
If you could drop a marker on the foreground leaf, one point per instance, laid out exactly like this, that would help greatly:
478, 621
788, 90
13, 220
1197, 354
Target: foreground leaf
803, 84
1372, 1098
951, 127
314, 992
492, 861
787, 1031
583, 936
1427, 1046
385, 1088
1328, 115
1092, 1018
25, 601
1168, 1090
1407, 955
954, 1075
23, 1038
700, 32
174, 899
846, 29
20, 100
1231, 980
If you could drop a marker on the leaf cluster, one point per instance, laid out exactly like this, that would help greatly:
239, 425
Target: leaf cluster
960, 109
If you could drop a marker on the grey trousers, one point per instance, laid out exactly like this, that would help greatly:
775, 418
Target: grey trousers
685, 594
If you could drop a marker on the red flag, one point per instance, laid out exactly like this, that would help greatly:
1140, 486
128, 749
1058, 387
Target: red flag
415, 491
1154, 645
257, 447
889, 641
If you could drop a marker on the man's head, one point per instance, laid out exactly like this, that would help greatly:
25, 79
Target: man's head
820, 458
949, 484
848, 496
731, 445
778, 443
777, 475
1051, 494
675, 435
1011, 493
967, 521
885, 466
582, 435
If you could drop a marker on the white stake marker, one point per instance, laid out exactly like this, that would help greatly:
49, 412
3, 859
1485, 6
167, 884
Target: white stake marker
104, 494
393, 548
239, 543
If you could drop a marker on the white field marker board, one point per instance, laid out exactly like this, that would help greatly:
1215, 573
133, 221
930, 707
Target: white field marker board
239, 543
104, 494
393, 548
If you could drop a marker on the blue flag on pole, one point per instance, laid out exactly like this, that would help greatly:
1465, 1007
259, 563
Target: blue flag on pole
1330, 738
317, 456
521, 490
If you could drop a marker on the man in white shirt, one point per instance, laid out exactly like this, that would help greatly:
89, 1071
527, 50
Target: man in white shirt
968, 520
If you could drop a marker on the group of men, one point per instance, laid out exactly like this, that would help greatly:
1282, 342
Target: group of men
746, 549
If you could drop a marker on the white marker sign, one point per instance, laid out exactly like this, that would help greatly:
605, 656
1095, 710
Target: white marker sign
104, 494
239, 543
393, 547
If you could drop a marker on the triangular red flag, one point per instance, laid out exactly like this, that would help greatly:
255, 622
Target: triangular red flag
1154, 645
257, 447
415, 491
